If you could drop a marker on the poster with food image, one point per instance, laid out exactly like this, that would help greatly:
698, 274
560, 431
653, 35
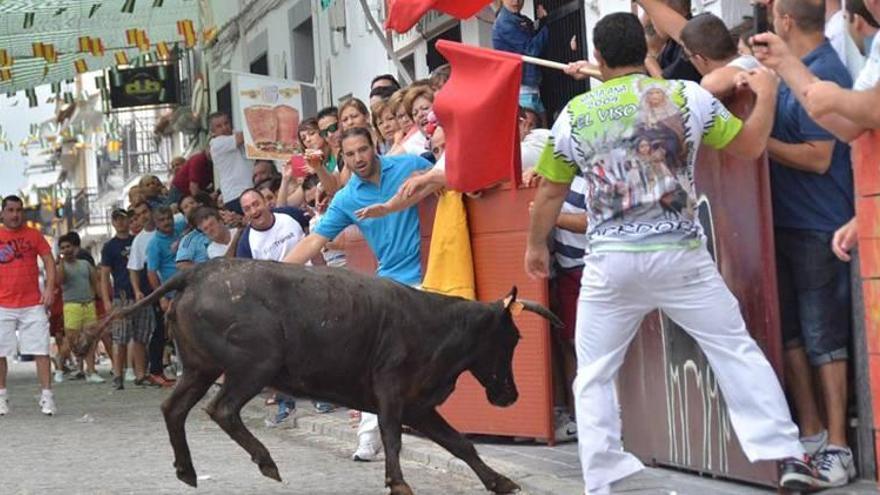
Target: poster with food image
271, 110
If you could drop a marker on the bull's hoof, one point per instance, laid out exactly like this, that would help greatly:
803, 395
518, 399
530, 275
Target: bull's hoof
187, 474
270, 470
504, 485
400, 488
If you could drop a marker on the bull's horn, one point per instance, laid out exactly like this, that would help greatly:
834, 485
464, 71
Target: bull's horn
539, 309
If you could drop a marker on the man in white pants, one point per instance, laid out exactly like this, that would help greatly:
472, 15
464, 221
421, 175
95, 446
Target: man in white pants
647, 247
22, 304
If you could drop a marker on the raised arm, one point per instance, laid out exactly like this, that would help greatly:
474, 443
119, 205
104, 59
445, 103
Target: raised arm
306, 249
664, 18
751, 141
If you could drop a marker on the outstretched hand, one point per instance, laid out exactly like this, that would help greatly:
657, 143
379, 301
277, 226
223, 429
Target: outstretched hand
372, 211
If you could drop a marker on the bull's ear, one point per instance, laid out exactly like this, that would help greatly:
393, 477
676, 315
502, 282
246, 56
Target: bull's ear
510, 297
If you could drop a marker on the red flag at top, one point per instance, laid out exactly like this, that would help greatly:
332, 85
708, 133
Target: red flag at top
404, 14
478, 109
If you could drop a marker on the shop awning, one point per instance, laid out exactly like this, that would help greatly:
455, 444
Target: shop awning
47, 41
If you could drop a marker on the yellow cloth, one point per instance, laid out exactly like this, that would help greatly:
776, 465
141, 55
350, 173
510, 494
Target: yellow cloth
450, 262
78, 315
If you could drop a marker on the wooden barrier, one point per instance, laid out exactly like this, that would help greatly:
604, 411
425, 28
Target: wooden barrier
866, 168
498, 223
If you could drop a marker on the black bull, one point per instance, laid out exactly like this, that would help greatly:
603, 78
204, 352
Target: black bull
362, 342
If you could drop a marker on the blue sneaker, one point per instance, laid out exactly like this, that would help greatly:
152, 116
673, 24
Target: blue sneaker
284, 412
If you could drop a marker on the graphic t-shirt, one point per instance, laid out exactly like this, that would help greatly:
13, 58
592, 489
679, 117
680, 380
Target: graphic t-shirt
193, 248
19, 275
635, 140
273, 243
114, 255
870, 74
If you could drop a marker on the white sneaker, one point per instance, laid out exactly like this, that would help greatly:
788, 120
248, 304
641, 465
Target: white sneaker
835, 466
566, 431
129, 375
94, 378
815, 443
59, 376
367, 451
47, 405
4, 405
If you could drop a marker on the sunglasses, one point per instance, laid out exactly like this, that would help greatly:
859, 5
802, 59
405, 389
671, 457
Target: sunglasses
329, 130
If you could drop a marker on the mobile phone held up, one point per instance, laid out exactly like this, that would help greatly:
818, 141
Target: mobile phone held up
297, 165
762, 23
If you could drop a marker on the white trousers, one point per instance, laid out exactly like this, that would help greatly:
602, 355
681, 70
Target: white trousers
368, 430
617, 290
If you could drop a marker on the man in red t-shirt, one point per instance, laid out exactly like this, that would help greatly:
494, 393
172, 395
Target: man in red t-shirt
194, 176
22, 304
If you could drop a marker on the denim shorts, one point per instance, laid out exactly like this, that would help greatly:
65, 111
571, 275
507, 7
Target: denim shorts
815, 300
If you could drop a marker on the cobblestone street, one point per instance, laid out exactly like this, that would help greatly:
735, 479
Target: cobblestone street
114, 442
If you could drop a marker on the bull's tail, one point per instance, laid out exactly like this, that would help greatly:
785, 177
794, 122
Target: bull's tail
177, 282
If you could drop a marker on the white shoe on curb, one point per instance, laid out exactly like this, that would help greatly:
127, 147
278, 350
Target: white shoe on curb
4, 405
94, 378
47, 405
129, 375
59, 376
367, 452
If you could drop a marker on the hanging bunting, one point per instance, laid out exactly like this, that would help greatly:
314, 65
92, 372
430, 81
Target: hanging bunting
84, 44
56, 88
137, 37
99, 82
6, 75
49, 53
80, 66
68, 97
128, 7
121, 58
60, 11
37, 48
94, 9
157, 3
162, 50
28, 20
45, 71
31, 94
96, 47
5, 59
187, 31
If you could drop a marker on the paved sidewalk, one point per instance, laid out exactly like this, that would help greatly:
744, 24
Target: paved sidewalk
539, 469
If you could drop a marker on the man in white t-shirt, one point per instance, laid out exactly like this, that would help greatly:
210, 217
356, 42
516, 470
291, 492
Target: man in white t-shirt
837, 33
208, 220
863, 27
234, 171
144, 321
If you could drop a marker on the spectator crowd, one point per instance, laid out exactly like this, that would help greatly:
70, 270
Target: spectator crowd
815, 80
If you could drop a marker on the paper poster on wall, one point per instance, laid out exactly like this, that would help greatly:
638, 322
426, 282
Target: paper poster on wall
270, 109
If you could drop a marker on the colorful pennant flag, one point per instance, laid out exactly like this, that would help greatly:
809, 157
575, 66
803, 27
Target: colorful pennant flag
80, 66
121, 58
31, 94
188, 32
37, 49
5, 75
28, 20
96, 47
137, 37
6, 60
162, 50
84, 44
128, 7
49, 53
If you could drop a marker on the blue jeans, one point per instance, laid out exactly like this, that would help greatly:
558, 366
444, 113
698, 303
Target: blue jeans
815, 302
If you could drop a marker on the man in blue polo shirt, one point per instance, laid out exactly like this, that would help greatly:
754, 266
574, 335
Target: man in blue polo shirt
812, 185
393, 238
162, 250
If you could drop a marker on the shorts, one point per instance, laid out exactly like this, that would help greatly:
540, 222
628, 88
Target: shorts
78, 315
137, 328
815, 300
564, 291
32, 326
